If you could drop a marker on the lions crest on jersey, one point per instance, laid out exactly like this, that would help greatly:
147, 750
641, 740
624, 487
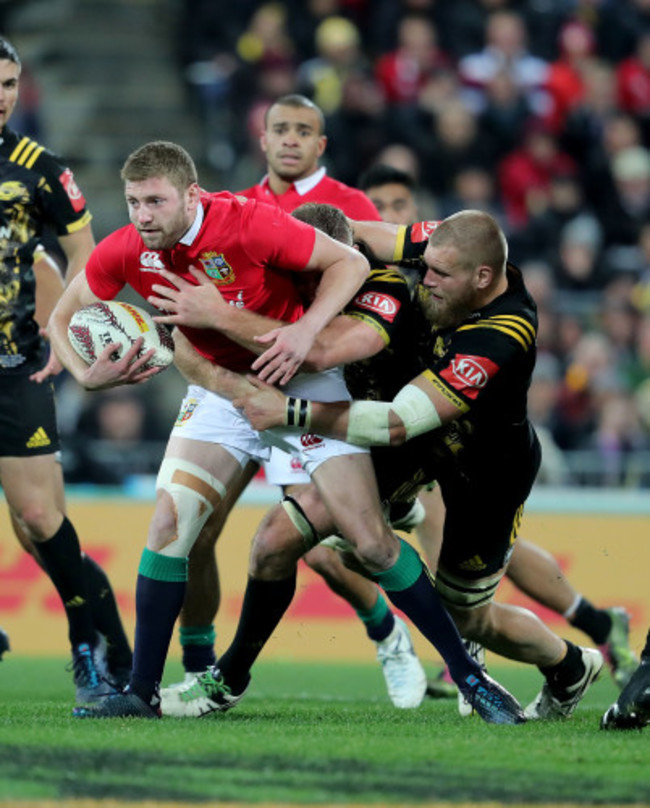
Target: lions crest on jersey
216, 267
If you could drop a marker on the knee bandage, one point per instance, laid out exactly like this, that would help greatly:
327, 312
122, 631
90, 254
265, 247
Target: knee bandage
300, 522
195, 493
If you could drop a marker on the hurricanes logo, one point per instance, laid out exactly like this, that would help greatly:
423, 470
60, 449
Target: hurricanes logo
13, 192
216, 267
310, 441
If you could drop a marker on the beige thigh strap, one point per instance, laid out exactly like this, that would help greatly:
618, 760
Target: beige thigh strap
464, 593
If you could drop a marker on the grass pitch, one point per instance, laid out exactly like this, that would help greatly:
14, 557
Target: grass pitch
310, 734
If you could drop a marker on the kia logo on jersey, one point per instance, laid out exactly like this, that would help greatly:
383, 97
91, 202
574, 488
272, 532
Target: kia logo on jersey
310, 441
384, 305
422, 230
469, 374
75, 196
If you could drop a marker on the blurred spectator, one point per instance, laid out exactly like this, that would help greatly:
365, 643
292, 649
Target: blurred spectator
566, 84
456, 143
585, 121
506, 113
403, 72
525, 174
541, 236
540, 282
543, 398
589, 378
402, 157
463, 23
579, 267
473, 187
338, 55
117, 436
618, 436
624, 212
633, 83
505, 51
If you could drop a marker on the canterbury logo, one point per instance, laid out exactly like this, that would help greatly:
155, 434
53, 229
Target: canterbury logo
39, 438
310, 441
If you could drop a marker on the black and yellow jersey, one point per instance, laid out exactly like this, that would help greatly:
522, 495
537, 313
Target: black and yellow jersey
484, 367
36, 191
384, 303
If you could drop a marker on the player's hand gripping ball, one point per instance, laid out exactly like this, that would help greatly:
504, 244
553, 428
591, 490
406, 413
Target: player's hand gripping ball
94, 327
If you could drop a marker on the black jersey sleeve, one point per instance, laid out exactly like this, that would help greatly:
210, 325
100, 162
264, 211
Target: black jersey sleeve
411, 242
488, 359
61, 202
381, 302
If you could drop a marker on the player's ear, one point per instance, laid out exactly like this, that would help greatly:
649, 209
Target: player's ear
322, 144
484, 276
193, 196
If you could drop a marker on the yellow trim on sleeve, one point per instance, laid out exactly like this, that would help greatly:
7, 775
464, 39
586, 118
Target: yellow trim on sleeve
445, 391
400, 239
75, 226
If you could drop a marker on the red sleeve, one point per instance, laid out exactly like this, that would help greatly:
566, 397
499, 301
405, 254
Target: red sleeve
359, 207
273, 237
105, 267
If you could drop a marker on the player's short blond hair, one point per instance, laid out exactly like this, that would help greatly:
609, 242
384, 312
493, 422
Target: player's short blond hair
161, 158
477, 237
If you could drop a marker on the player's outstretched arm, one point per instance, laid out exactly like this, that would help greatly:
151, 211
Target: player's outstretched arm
418, 408
380, 237
49, 288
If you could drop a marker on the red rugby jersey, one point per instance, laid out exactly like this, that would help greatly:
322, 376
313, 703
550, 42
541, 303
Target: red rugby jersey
318, 188
241, 246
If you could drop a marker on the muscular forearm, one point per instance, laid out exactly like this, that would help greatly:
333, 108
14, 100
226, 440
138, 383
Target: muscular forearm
379, 236
199, 370
49, 286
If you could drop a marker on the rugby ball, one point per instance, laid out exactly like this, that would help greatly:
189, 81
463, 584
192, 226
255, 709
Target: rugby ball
94, 327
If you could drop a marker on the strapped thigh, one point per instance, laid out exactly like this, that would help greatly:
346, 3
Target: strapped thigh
195, 493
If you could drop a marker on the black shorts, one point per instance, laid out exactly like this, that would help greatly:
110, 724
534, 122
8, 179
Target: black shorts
27, 417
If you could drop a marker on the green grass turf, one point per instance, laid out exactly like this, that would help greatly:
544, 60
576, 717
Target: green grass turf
307, 733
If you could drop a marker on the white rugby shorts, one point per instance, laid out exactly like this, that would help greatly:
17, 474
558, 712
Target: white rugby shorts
209, 417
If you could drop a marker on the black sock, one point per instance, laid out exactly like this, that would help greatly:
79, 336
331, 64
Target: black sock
565, 673
198, 657
645, 654
61, 559
265, 602
157, 606
422, 604
106, 616
408, 583
596, 623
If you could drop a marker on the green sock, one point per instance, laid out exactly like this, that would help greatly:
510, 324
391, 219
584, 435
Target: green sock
379, 620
